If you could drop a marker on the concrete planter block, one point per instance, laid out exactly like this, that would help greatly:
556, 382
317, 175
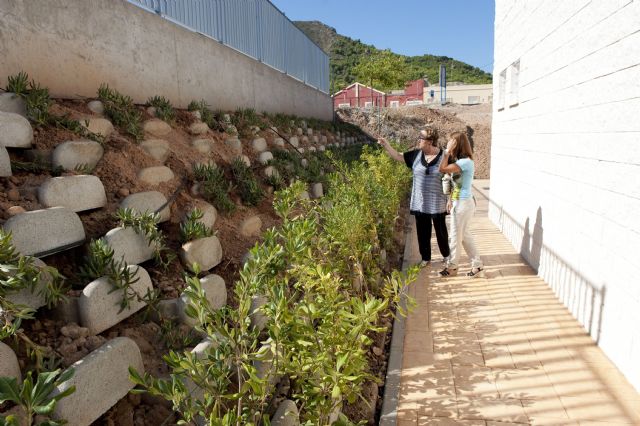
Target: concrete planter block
198, 128
77, 193
258, 319
321, 148
39, 232
101, 380
299, 131
246, 160
196, 115
10, 102
216, 292
33, 299
316, 190
305, 140
15, 131
206, 252
101, 126
315, 139
158, 149
156, 127
259, 144
251, 226
71, 155
99, 304
286, 414
279, 142
264, 157
294, 141
304, 162
312, 149
5, 162
148, 201
96, 106
270, 171
304, 195
309, 131
129, 246
301, 150
323, 139
234, 145
209, 213
155, 175
9, 366
202, 145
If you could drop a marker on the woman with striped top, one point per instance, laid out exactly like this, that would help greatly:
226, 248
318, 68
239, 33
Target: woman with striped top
428, 202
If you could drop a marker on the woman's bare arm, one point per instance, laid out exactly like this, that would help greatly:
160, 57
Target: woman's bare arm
390, 150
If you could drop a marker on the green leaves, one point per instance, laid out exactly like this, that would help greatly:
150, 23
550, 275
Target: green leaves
385, 69
192, 229
36, 398
121, 110
214, 186
250, 190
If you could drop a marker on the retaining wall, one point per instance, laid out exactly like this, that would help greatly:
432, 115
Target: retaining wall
72, 46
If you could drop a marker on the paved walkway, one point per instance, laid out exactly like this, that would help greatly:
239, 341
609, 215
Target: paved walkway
503, 350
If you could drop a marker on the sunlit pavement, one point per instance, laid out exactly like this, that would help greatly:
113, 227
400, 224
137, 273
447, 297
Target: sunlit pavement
502, 349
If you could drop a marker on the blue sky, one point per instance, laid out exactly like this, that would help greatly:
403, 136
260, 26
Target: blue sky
461, 29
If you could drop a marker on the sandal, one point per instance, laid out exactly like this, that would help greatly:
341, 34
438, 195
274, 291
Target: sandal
449, 272
476, 272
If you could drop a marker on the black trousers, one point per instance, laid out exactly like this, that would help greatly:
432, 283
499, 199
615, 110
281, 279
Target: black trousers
423, 228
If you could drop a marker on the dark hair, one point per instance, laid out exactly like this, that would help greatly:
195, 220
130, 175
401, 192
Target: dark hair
431, 134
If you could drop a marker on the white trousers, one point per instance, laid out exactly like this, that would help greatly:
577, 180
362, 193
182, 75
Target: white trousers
460, 233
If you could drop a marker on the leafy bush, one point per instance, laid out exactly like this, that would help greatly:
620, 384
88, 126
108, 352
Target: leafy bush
164, 109
35, 398
18, 83
250, 190
192, 229
318, 327
121, 110
214, 186
206, 115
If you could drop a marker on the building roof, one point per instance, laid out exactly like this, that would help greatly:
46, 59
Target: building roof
360, 84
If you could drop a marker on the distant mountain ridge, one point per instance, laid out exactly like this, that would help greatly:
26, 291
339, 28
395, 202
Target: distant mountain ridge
344, 53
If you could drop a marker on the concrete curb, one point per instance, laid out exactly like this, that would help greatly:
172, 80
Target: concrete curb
394, 368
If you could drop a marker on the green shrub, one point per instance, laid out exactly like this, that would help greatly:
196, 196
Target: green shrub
121, 110
146, 224
18, 83
214, 186
250, 190
192, 229
164, 109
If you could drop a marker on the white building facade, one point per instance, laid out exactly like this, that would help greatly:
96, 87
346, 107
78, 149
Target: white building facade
565, 157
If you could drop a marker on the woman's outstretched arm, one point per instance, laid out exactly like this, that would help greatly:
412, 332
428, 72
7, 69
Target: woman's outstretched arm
390, 150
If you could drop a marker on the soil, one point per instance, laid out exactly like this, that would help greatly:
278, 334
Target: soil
123, 158
404, 124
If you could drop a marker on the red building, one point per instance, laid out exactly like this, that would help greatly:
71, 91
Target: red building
359, 95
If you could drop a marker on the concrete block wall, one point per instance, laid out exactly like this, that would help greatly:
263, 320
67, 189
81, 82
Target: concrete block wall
565, 158
72, 46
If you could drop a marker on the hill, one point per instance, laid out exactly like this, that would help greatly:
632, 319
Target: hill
345, 52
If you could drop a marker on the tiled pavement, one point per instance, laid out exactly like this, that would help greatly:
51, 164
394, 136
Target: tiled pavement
502, 350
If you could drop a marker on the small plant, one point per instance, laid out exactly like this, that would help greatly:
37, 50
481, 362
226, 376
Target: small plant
37, 102
206, 115
121, 110
275, 180
192, 229
18, 83
250, 190
164, 109
147, 224
35, 398
214, 186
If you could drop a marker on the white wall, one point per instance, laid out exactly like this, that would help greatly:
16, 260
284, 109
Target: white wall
72, 46
565, 158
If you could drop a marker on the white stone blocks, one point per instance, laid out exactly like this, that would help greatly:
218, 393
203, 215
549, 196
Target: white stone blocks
259, 144
77, 193
209, 212
158, 149
101, 380
202, 145
286, 414
100, 126
279, 142
316, 190
156, 127
72, 155
251, 226
42, 231
33, 299
5, 162
264, 157
206, 252
15, 131
234, 145
198, 128
148, 201
155, 175
129, 246
96, 106
10, 102
294, 141
100, 303
9, 366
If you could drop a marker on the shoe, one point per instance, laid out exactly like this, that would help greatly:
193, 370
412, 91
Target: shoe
476, 272
449, 272
424, 263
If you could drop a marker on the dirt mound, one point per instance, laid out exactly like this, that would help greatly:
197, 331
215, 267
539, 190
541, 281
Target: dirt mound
403, 125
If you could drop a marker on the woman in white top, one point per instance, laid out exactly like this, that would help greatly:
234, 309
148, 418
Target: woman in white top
463, 208
428, 202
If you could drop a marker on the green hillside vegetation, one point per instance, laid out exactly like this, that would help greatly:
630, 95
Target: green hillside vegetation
345, 53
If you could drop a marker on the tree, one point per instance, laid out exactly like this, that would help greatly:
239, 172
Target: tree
384, 69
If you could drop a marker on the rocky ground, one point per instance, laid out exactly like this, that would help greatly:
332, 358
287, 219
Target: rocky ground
403, 125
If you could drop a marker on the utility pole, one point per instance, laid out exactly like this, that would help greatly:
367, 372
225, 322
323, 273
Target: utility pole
443, 84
